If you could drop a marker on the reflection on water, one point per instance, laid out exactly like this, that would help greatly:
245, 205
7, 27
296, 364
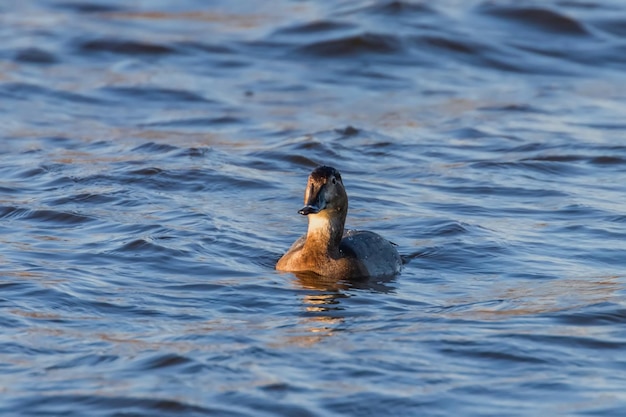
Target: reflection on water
317, 325
324, 310
504, 299
313, 281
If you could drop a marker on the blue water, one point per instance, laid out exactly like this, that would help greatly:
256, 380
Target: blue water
153, 156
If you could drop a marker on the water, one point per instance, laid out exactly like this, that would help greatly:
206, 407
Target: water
153, 156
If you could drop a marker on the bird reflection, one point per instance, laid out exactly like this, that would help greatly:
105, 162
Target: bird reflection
325, 309
309, 280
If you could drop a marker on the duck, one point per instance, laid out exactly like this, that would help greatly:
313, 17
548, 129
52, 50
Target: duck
328, 249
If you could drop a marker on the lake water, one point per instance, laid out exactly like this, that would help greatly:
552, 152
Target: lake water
153, 156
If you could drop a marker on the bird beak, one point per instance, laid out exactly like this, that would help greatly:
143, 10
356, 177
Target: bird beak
308, 209
313, 200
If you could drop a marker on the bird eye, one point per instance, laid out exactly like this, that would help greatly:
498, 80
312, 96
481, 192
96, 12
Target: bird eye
334, 180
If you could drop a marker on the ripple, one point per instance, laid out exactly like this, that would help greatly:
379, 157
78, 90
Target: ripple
156, 148
25, 91
447, 228
48, 217
35, 56
360, 45
613, 25
463, 46
124, 47
144, 247
150, 93
509, 355
164, 361
398, 8
87, 198
199, 122
590, 343
195, 152
316, 28
30, 173
13, 212
85, 360
543, 19
603, 314
508, 108
115, 404
84, 7
208, 47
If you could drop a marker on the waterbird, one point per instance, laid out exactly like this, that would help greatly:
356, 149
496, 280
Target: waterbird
329, 250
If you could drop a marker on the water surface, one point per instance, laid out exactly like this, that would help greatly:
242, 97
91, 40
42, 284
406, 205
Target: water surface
153, 156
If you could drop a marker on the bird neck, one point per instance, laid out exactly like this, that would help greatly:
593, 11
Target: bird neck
325, 231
